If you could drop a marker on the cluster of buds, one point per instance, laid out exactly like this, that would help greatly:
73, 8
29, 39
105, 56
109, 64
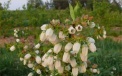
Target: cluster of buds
63, 47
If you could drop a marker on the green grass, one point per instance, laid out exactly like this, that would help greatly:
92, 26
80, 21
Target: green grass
10, 64
109, 55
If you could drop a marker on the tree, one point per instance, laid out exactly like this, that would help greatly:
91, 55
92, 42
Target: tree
1, 8
34, 4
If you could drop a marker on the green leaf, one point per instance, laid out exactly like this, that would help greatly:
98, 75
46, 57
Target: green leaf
77, 10
72, 12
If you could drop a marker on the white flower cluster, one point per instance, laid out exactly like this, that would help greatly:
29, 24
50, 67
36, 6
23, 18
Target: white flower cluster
16, 32
64, 53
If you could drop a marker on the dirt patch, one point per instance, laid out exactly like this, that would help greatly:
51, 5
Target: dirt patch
9, 40
117, 39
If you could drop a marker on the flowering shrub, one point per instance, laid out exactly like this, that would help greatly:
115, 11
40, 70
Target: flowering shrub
63, 47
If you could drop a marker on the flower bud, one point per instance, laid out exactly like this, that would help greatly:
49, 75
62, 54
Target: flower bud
75, 71
66, 57
92, 47
73, 62
92, 25
83, 58
27, 56
82, 69
37, 51
37, 46
43, 36
61, 70
21, 59
30, 74
104, 36
38, 71
90, 40
57, 64
50, 60
57, 48
12, 48
85, 50
38, 59
68, 47
51, 67
44, 27
24, 62
17, 40
94, 70
44, 57
61, 35
30, 65
49, 32
76, 47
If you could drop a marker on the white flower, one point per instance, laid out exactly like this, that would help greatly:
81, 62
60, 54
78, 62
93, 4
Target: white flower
27, 56
15, 34
15, 31
44, 57
61, 35
83, 58
71, 30
49, 32
75, 71
98, 37
57, 48
76, 47
44, 27
37, 46
57, 64
78, 28
37, 51
38, 59
43, 36
25, 47
53, 39
104, 35
50, 60
30, 74
12, 48
66, 57
94, 70
17, 40
92, 25
49, 51
67, 68
90, 40
98, 27
85, 50
92, 47
38, 71
24, 62
82, 69
73, 62
51, 67
44, 64
61, 70
30, 65
104, 32
21, 59
68, 47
